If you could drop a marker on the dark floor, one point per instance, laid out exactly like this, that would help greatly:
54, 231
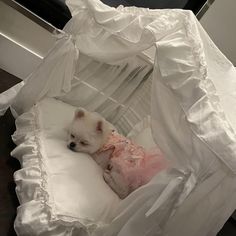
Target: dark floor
8, 165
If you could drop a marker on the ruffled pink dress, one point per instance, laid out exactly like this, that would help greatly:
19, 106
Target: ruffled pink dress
136, 165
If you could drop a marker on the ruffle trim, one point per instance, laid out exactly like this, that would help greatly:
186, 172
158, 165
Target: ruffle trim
192, 81
36, 214
206, 84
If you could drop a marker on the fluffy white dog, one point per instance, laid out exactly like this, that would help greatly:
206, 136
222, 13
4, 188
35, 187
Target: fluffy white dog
126, 165
88, 131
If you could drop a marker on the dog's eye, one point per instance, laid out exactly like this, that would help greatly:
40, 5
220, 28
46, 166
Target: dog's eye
72, 136
84, 143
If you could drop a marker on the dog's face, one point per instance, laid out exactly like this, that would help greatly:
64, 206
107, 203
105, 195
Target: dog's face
87, 132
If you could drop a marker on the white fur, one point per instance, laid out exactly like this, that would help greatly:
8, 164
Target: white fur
85, 128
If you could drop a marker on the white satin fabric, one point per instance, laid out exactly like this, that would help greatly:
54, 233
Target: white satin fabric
55, 183
63, 192
188, 90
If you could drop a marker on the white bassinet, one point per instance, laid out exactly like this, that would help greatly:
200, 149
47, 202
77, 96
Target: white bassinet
126, 64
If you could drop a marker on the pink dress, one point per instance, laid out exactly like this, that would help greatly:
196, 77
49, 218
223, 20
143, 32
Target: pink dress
135, 164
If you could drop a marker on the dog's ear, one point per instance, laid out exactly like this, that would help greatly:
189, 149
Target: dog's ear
79, 113
99, 126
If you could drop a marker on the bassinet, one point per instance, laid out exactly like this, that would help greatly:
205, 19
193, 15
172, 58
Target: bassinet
128, 63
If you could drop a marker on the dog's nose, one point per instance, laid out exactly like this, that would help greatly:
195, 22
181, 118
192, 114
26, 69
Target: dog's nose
72, 144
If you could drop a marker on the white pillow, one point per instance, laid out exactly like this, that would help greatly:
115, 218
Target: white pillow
56, 184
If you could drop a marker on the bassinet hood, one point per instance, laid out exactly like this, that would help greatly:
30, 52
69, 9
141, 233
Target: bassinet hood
186, 63
113, 34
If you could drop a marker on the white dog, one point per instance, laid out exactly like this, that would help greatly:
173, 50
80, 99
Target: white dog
88, 131
126, 165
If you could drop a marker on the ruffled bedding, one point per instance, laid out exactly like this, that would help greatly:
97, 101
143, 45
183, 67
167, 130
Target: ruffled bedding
56, 187
63, 193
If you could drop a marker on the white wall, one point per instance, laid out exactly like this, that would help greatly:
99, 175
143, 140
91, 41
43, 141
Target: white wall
23, 43
220, 23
